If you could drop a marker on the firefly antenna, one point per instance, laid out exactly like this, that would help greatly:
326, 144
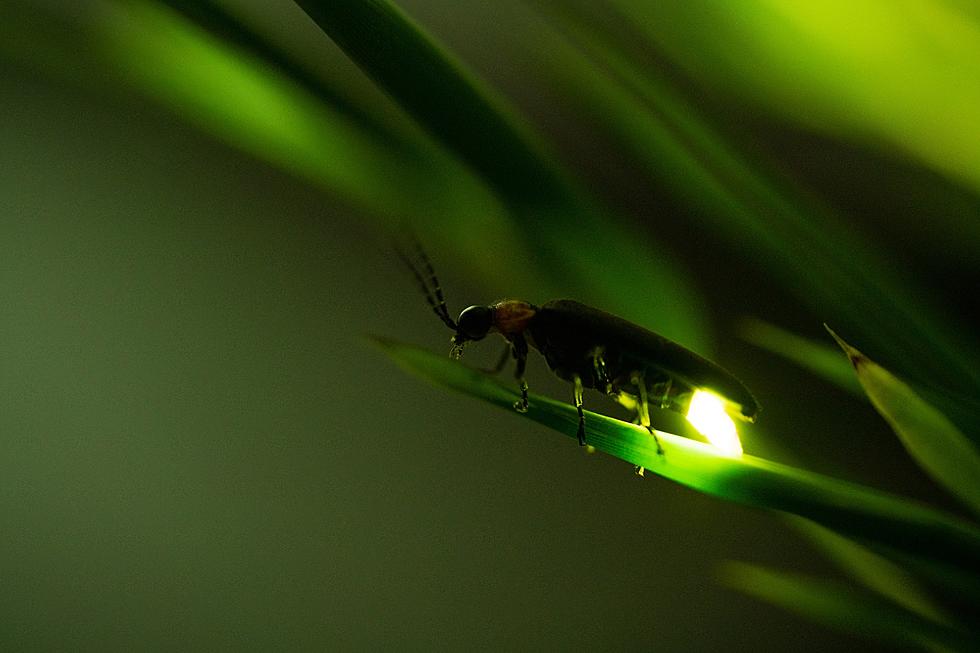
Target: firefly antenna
434, 280
433, 294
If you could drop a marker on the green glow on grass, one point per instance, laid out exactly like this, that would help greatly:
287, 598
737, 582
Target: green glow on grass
239, 99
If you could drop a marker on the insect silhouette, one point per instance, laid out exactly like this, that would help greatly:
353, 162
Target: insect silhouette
589, 348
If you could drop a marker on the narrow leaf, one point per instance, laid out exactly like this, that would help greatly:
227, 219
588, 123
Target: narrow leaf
690, 150
845, 608
874, 571
822, 360
447, 99
580, 249
224, 24
231, 92
859, 512
234, 96
939, 447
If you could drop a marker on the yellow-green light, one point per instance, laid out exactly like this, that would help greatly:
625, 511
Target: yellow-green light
707, 414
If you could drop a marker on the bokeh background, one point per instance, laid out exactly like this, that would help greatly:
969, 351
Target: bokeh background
200, 449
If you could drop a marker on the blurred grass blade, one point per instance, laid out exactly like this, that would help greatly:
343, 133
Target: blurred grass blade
908, 85
930, 437
826, 362
845, 608
580, 250
869, 568
236, 96
444, 97
873, 571
862, 513
946, 581
223, 24
823, 360
688, 152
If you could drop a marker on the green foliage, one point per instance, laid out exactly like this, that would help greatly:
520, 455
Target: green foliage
820, 358
433, 144
738, 196
845, 608
561, 223
929, 436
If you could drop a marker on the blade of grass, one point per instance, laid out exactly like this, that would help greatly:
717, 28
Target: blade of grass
237, 97
939, 447
226, 26
442, 95
812, 252
845, 608
850, 509
581, 250
874, 571
910, 85
945, 581
823, 360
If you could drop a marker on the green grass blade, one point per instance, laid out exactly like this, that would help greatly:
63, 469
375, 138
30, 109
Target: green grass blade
228, 27
431, 85
826, 362
823, 360
859, 512
688, 151
240, 100
845, 608
939, 447
580, 250
219, 80
910, 86
873, 571
234, 95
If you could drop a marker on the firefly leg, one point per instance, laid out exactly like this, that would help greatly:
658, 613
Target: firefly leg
643, 410
520, 353
504, 355
581, 414
664, 392
629, 403
599, 367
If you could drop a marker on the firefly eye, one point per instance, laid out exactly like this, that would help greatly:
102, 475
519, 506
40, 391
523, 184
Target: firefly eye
475, 322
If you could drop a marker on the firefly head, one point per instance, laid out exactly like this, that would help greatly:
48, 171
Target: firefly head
474, 323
